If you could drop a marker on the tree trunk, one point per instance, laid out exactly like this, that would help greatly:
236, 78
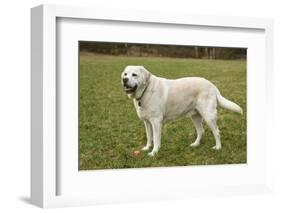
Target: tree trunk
214, 53
196, 50
206, 54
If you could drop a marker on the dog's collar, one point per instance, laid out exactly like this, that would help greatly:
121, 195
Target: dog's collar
139, 98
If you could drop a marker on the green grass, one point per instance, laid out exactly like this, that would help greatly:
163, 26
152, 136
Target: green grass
110, 130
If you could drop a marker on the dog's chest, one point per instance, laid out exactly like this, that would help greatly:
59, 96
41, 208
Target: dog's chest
143, 111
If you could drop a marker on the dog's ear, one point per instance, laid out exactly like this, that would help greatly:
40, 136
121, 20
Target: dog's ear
146, 73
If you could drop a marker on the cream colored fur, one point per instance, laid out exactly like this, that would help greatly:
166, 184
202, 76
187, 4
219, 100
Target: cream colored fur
158, 100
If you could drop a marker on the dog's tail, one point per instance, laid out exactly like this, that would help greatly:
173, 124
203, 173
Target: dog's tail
227, 104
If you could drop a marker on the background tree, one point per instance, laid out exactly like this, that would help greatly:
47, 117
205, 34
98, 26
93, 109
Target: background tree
157, 50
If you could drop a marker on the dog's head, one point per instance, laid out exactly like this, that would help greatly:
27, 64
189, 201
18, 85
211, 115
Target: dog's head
134, 79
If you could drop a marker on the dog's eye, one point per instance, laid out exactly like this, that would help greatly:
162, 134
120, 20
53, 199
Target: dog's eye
125, 74
134, 74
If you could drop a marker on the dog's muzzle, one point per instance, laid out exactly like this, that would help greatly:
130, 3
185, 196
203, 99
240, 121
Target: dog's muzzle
128, 89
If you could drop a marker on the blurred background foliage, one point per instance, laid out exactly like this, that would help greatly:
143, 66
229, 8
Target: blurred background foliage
159, 50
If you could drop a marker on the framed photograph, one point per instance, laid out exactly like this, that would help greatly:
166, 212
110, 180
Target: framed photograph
131, 106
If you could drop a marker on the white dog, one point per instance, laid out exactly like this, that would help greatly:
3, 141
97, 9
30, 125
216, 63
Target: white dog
158, 100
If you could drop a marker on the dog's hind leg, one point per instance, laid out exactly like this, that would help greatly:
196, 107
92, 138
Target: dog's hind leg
210, 119
198, 123
208, 110
213, 126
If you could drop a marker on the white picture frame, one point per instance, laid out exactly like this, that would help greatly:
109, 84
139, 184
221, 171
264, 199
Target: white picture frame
45, 170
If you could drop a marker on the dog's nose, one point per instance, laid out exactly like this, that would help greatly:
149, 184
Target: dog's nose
125, 80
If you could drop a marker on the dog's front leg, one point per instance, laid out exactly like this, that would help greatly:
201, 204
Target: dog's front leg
149, 135
156, 130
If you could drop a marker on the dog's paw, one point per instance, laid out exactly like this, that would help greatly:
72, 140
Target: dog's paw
216, 147
145, 148
151, 154
195, 144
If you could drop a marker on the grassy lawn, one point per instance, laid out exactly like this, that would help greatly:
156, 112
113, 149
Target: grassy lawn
110, 130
